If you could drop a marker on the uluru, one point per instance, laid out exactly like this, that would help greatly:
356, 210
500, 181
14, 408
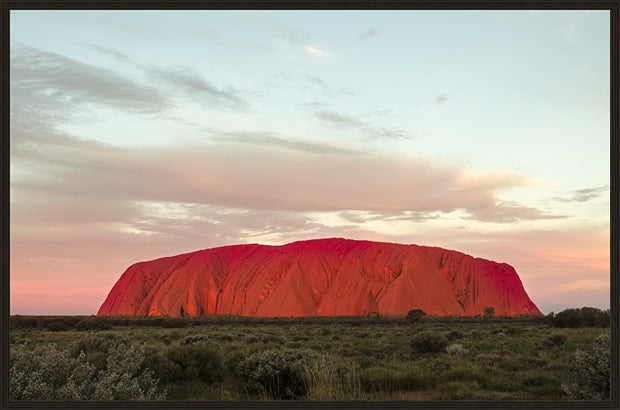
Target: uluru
320, 277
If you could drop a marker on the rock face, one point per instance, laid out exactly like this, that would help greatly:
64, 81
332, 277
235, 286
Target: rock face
324, 277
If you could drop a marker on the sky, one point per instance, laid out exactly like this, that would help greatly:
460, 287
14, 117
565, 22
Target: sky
141, 134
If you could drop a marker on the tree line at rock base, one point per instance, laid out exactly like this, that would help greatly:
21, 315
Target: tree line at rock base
572, 317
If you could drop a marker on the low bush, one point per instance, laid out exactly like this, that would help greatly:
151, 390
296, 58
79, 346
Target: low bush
98, 342
48, 373
125, 378
454, 334
429, 342
590, 372
199, 360
456, 349
278, 372
554, 340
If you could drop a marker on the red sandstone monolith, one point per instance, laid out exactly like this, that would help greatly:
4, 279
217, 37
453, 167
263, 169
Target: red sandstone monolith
324, 277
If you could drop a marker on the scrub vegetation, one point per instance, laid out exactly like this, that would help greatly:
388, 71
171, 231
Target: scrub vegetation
317, 358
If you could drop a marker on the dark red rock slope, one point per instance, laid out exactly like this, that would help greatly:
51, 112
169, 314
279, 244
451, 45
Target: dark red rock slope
325, 277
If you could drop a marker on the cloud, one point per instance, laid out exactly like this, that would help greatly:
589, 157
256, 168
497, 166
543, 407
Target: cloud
371, 32
38, 75
441, 98
334, 119
584, 195
360, 217
196, 86
339, 120
55, 89
315, 51
508, 212
329, 90
267, 177
316, 81
122, 57
274, 140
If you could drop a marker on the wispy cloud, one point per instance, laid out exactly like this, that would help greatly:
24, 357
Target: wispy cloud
360, 217
328, 89
508, 212
275, 140
441, 98
584, 195
69, 82
194, 84
371, 32
48, 90
315, 51
369, 131
316, 81
111, 52
184, 78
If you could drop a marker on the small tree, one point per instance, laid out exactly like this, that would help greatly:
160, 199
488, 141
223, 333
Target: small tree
415, 315
489, 311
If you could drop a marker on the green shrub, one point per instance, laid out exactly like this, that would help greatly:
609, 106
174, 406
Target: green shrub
454, 334
51, 374
199, 360
124, 378
590, 372
98, 342
489, 311
96, 346
277, 372
554, 340
456, 349
429, 342
48, 374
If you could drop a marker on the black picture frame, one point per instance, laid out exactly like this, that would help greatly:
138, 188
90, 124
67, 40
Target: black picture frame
6, 6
